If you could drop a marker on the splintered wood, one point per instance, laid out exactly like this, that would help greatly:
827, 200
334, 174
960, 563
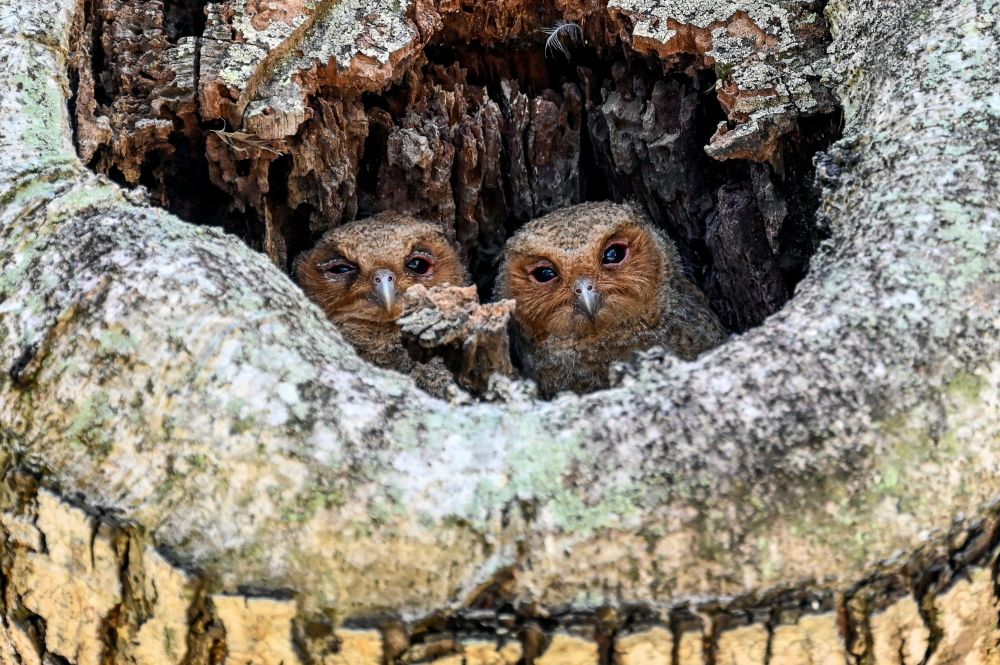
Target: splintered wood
449, 322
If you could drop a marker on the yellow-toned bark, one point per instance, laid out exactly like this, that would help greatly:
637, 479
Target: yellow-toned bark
569, 650
812, 640
899, 635
258, 630
649, 647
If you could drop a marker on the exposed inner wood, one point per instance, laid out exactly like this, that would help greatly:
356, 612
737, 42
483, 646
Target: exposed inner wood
482, 129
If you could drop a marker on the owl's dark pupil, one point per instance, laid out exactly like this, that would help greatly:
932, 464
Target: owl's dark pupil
544, 274
418, 265
614, 254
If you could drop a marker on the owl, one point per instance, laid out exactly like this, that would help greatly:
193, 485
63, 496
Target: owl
593, 283
358, 272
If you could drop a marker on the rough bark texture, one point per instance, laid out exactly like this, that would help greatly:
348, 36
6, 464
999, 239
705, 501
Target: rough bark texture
198, 469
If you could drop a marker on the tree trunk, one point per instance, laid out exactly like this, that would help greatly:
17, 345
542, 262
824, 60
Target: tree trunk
198, 468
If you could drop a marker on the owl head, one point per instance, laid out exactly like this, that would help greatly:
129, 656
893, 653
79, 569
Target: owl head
586, 272
357, 272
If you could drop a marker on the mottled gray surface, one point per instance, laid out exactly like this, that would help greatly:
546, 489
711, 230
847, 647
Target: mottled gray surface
167, 372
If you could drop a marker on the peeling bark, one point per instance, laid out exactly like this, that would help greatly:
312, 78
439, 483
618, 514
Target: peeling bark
181, 426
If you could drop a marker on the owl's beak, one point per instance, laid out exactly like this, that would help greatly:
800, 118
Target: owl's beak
588, 300
384, 288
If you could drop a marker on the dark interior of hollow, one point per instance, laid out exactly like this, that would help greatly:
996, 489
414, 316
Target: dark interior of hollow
607, 123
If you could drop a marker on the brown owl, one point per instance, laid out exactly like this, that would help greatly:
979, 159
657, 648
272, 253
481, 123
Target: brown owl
358, 272
593, 283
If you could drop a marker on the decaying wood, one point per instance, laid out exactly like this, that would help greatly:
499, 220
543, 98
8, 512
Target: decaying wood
473, 336
542, 137
324, 169
745, 282
478, 140
193, 456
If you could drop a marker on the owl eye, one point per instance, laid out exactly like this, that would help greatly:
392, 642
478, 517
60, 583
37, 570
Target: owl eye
337, 267
421, 265
544, 274
614, 254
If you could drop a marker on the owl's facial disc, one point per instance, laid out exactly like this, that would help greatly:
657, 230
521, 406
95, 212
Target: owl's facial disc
358, 272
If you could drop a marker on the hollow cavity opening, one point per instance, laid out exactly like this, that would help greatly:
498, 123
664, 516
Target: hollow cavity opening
491, 125
483, 139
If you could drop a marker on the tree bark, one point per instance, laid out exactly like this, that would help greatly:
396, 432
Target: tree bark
198, 468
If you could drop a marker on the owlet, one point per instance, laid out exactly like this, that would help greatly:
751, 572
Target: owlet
358, 272
594, 283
